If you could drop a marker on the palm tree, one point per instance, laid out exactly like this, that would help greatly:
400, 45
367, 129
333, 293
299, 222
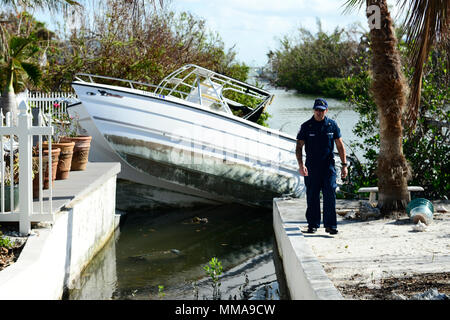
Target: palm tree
426, 20
15, 54
16, 67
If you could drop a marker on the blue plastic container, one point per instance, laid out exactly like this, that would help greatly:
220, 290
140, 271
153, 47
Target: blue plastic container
420, 209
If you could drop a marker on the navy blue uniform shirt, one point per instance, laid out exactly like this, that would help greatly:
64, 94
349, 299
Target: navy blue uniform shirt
319, 139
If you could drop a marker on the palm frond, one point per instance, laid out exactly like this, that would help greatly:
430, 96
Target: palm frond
426, 22
60, 4
351, 5
17, 44
56, 4
44, 4
33, 72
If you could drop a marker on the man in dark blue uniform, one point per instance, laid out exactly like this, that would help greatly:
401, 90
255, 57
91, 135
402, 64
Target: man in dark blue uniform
318, 135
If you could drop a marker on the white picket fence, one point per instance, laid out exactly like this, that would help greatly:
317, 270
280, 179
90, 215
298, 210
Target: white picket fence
19, 138
54, 103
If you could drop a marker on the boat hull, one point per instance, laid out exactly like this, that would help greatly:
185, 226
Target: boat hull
188, 154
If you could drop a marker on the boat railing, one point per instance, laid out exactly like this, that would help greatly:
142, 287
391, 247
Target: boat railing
131, 83
193, 77
226, 82
190, 83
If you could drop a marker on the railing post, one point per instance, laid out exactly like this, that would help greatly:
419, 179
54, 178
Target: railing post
25, 169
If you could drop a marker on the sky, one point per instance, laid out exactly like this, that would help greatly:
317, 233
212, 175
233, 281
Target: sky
255, 26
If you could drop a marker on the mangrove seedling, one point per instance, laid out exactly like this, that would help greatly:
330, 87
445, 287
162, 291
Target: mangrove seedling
214, 269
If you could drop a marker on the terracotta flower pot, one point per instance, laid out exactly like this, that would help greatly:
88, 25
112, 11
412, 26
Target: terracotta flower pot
65, 158
55, 160
80, 151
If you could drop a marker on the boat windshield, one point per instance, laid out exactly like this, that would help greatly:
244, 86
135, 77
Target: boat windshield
214, 91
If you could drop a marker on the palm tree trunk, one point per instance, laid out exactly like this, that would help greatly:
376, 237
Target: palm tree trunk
390, 91
8, 101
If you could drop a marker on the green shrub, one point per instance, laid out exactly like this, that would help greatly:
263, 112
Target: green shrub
332, 87
315, 64
4, 241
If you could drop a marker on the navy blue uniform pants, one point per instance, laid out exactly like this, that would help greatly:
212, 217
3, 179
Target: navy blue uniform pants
325, 181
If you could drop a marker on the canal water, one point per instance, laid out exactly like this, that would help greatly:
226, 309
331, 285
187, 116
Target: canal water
170, 249
161, 254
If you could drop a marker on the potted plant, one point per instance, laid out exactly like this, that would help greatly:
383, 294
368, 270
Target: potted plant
15, 174
62, 126
82, 146
45, 170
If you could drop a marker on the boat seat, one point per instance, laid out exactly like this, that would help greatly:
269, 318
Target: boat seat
374, 190
240, 107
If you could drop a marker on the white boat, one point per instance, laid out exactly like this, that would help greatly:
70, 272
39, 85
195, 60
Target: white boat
190, 139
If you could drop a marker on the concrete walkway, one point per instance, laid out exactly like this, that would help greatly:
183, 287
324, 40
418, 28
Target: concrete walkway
78, 185
362, 254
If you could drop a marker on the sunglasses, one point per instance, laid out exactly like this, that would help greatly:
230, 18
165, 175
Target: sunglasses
319, 110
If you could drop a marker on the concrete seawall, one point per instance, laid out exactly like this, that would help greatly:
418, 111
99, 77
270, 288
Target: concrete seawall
304, 274
54, 256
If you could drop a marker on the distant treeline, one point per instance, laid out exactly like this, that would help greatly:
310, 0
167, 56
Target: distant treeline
317, 63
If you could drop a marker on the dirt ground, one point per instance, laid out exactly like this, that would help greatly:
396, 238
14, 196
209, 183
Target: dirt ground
9, 255
399, 288
387, 258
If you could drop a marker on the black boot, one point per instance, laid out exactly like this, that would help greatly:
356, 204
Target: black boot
331, 230
311, 230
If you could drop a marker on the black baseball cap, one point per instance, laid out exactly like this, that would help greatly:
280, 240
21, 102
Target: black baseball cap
320, 104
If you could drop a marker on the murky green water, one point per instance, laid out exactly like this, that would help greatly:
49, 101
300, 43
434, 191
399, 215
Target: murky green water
170, 249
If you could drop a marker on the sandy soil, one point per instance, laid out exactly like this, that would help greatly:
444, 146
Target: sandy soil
386, 258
